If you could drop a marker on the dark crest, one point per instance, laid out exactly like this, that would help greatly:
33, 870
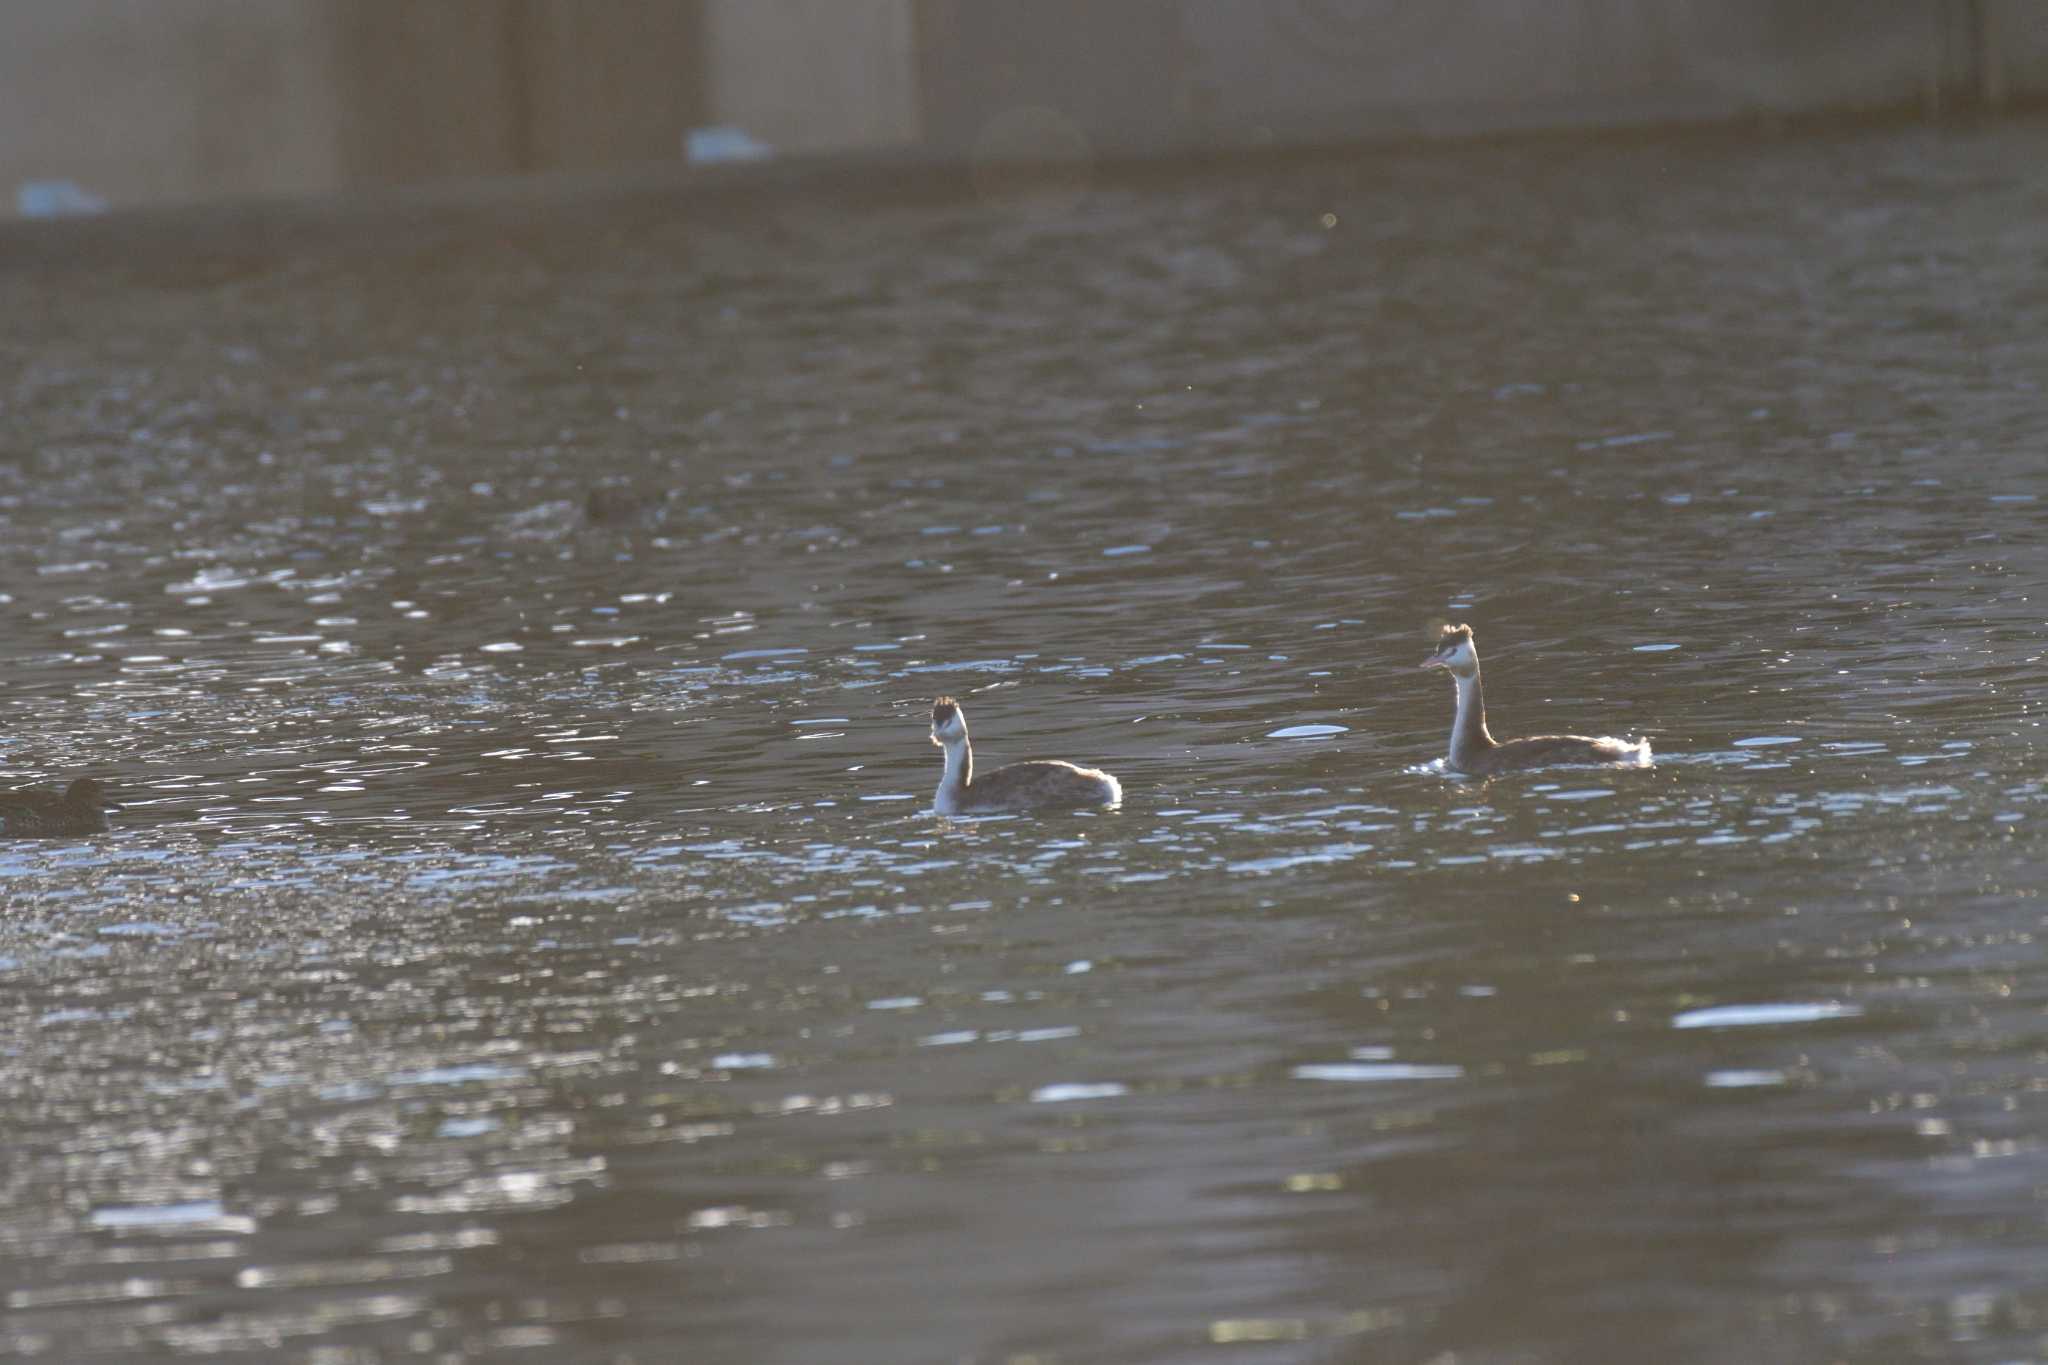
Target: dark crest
1449, 634
943, 710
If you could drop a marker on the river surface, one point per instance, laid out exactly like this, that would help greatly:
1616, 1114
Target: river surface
511, 630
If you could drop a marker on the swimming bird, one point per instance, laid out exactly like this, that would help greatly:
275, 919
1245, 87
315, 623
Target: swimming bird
80, 808
1037, 784
1475, 751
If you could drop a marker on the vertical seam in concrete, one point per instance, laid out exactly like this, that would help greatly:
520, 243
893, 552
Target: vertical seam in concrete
920, 27
516, 45
1979, 74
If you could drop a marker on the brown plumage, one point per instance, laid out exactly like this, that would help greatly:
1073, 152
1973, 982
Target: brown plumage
1474, 750
80, 808
1037, 784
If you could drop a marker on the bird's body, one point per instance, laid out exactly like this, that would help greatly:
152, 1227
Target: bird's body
1474, 750
80, 808
1039, 784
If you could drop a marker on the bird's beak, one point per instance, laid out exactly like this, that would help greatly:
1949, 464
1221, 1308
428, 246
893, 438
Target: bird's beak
1433, 662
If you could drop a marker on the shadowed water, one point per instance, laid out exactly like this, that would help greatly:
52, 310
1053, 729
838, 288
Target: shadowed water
512, 634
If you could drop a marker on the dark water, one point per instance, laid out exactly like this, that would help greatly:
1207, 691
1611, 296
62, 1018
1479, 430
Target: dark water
525, 937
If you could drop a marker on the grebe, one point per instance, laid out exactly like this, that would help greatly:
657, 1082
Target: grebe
1041, 782
80, 809
1475, 751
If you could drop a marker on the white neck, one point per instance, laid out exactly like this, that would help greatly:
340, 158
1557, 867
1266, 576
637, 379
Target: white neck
1468, 731
959, 772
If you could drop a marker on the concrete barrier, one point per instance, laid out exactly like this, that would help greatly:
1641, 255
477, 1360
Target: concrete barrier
137, 101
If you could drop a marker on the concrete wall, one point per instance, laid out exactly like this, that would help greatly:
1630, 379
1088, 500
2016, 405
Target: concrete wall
1148, 76
155, 99
147, 100
144, 100
2015, 49
420, 90
813, 75
606, 83
1318, 72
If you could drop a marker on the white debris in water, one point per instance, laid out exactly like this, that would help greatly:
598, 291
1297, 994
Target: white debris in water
1308, 731
718, 144
56, 199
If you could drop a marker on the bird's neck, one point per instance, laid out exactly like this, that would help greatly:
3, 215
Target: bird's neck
959, 772
1469, 735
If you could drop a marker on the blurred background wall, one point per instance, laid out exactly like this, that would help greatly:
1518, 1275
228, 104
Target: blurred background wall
135, 101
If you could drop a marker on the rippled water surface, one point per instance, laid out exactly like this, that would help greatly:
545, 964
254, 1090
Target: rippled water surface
511, 632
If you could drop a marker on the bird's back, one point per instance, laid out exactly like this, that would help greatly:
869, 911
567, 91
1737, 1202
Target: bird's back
1536, 751
1041, 782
